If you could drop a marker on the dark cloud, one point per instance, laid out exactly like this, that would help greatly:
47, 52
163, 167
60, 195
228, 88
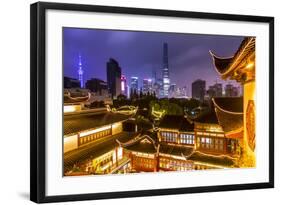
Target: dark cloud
140, 53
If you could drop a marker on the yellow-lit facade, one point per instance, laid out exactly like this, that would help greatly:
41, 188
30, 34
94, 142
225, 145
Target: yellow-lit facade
105, 163
209, 138
74, 141
70, 143
72, 108
173, 136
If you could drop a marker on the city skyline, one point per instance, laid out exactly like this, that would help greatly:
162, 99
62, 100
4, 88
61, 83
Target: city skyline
186, 60
213, 127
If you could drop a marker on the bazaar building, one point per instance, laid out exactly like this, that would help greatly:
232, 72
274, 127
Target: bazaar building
148, 155
174, 129
89, 141
173, 148
219, 131
241, 67
74, 103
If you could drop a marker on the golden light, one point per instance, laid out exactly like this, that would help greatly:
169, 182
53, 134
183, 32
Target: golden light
69, 108
250, 65
82, 134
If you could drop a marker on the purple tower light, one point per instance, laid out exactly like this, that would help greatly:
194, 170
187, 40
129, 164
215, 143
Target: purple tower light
80, 72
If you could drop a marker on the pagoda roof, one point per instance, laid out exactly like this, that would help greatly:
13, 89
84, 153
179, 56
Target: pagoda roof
212, 159
229, 112
225, 65
208, 117
141, 143
175, 150
68, 99
231, 104
81, 122
221, 64
178, 122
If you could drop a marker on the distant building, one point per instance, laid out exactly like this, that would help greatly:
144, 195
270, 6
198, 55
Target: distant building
134, 83
124, 87
147, 86
70, 82
113, 77
231, 91
96, 85
215, 90
199, 89
154, 76
158, 87
184, 91
166, 78
173, 91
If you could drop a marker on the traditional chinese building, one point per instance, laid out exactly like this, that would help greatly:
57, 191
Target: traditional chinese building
209, 135
89, 141
241, 67
142, 152
174, 148
148, 155
219, 130
74, 101
174, 129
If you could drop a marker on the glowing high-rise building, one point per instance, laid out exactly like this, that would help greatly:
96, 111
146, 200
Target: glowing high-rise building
147, 85
80, 72
124, 87
134, 84
165, 72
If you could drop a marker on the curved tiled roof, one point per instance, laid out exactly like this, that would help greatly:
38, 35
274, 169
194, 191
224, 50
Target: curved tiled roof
221, 64
176, 150
80, 122
229, 113
144, 144
177, 122
212, 159
209, 117
231, 104
67, 98
225, 65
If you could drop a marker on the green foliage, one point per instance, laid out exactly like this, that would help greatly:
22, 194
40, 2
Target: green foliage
166, 105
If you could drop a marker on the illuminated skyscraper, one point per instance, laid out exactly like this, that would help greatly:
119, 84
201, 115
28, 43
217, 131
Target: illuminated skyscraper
124, 90
80, 72
134, 84
166, 79
147, 86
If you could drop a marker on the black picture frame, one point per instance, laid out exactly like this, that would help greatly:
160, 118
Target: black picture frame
38, 100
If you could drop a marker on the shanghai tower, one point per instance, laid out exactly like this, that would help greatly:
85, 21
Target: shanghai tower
166, 79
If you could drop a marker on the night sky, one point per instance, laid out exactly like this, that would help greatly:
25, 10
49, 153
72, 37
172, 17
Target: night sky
140, 53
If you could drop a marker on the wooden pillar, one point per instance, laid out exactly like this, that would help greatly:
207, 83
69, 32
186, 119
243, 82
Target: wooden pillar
116, 155
195, 139
225, 145
156, 163
78, 139
131, 157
